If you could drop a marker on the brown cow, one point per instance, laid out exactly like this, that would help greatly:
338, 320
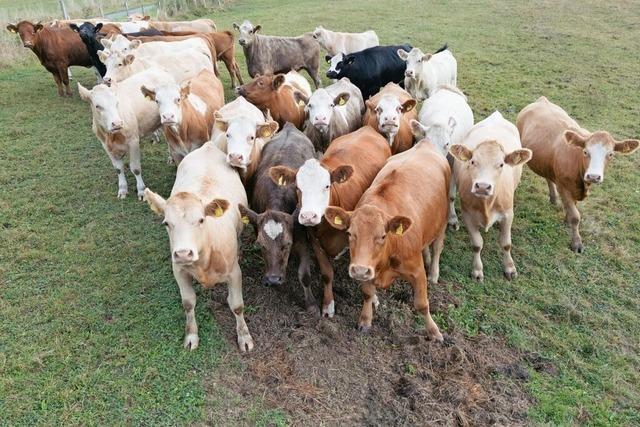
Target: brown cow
567, 155
390, 111
397, 220
56, 48
344, 172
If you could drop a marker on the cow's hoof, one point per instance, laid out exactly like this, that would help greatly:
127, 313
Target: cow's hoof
329, 310
364, 329
435, 335
478, 276
141, 197
376, 302
122, 194
313, 310
245, 342
577, 247
191, 341
510, 274
433, 282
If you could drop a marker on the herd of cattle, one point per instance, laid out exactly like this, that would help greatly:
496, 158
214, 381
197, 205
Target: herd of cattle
349, 166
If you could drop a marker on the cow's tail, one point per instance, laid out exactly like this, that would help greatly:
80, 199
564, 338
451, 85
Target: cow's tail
442, 49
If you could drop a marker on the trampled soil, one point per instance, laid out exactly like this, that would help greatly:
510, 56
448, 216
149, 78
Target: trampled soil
325, 372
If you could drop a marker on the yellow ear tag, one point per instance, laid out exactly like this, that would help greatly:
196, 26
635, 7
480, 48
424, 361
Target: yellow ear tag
342, 101
400, 230
301, 103
12, 31
281, 181
148, 98
218, 212
266, 133
245, 220
337, 220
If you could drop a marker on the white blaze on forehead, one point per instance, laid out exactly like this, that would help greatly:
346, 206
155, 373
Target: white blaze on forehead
314, 182
320, 106
335, 61
597, 159
272, 229
198, 104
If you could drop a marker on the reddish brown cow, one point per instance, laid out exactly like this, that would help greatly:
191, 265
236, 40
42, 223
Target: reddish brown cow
56, 48
396, 220
344, 172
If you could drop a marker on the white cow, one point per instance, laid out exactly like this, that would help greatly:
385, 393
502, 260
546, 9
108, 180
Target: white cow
426, 72
120, 44
445, 118
121, 117
334, 42
203, 222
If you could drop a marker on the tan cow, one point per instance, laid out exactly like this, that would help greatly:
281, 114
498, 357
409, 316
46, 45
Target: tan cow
396, 221
487, 170
203, 222
568, 156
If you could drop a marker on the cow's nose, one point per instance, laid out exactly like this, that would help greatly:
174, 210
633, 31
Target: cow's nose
408, 73
239, 90
273, 280
235, 158
360, 272
321, 119
308, 218
106, 80
183, 255
482, 187
593, 178
167, 117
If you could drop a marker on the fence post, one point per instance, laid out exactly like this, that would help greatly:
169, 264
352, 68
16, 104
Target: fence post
64, 10
142, 7
101, 10
126, 7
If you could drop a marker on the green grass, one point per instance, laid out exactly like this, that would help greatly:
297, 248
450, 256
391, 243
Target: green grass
91, 319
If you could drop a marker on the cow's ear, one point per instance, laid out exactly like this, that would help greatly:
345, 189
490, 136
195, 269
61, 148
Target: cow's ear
337, 217
149, 94
185, 90
267, 129
135, 44
418, 130
128, 60
574, 138
220, 123
370, 105
326, 57
341, 99
12, 28
236, 26
300, 98
403, 54
627, 146
156, 203
256, 29
106, 43
85, 94
37, 27
408, 105
460, 152
398, 225
278, 81
341, 174
248, 216
282, 175
426, 57
518, 157
216, 208
97, 28
103, 56
74, 27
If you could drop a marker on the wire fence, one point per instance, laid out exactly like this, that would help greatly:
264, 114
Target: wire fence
161, 9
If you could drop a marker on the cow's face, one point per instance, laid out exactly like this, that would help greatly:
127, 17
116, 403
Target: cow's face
88, 32
241, 134
185, 218
369, 231
388, 111
247, 32
274, 231
120, 44
414, 59
169, 98
104, 105
486, 164
260, 90
27, 32
598, 148
118, 66
438, 134
338, 64
321, 106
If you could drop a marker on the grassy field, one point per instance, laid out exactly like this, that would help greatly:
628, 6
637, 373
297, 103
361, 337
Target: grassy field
91, 319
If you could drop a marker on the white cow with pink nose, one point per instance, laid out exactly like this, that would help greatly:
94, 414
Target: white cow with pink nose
426, 72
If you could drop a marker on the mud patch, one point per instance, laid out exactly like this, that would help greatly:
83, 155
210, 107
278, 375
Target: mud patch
324, 372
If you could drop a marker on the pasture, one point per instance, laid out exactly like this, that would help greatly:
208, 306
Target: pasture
91, 317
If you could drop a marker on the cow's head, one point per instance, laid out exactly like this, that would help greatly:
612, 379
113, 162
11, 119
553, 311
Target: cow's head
242, 133
313, 182
487, 163
414, 59
388, 111
88, 33
369, 230
320, 107
274, 230
186, 216
247, 32
104, 106
118, 66
27, 32
169, 97
135, 17
120, 44
439, 134
339, 65
261, 89
598, 148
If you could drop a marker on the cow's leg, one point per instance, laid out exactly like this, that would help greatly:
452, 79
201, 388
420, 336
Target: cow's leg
155, 136
98, 76
236, 304
232, 72
553, 193
69, 74
366, 315
476, 244
434, 266
453, 218
136, 167
236, 68
573, 218
301, 248
426, 255
56, 77
326, 272
421, 302
313, 73
118, 164
188, 295
64, 76
508, 266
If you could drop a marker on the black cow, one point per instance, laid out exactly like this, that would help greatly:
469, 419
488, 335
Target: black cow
369, 69
278, 232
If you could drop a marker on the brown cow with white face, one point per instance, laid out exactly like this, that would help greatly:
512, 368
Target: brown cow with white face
396, 222
568, 156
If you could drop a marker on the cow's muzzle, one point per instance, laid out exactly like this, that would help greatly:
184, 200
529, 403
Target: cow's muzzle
482, 189
361, 272
332, 74
273, 280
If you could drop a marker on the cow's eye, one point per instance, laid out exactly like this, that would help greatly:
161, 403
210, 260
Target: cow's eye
501, 165
327, 187
586, 153
251, 138
98, 107
165, 223
201, 220
473, 162
610, 155
177, 100
259, 83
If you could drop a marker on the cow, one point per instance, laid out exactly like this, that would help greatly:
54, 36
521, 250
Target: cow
89, 34
276, 95
197, 25
241, 130
56, 48
203, 223
275, 55
187, 111
444, 119
339, 178
398, 220
389, 112
334, 42
487, 168
369, 69
568, 156
121, 117
425, 73
279, 235
332, 112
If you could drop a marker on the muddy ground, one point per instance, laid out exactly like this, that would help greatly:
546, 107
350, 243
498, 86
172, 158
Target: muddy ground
324, 372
